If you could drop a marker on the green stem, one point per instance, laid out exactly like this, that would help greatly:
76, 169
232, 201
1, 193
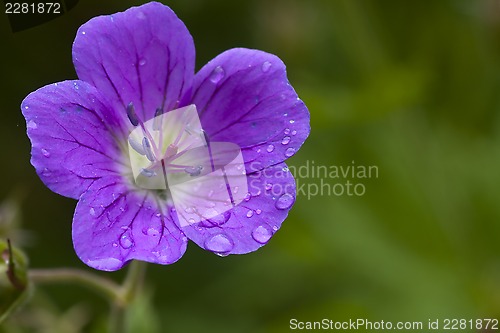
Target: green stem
129, 290
84, 278
120, 296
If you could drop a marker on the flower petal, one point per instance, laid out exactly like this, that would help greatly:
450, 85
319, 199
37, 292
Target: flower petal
243, 96
252, 223
144, 55
71, 143
113, 225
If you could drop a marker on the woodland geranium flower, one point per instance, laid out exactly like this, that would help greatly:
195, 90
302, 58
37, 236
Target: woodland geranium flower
87, 135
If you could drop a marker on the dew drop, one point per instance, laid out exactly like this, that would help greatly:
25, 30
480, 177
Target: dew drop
258, 211
46, 172
217, 74
32, 125
219, 243
76, 85
83, 32
262, 234
285, 140
287, 131
292, 121
221, 218
285, 201
158, 215
294, 132
265, 66
126, 241
152, 232
250, 213
92, 211
275, 228
236, 189
268, 186
289, 152
248, 196
270, 148
106, 264
45, 153
142, 62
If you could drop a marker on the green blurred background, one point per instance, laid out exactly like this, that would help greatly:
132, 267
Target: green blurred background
412, 87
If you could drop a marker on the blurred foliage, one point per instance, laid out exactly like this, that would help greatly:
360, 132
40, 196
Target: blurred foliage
409, 86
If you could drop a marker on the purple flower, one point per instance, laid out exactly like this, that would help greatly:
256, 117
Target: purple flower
132, 67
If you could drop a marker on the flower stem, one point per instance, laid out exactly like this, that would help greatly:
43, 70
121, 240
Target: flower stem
128, 291
84, 278
120, 296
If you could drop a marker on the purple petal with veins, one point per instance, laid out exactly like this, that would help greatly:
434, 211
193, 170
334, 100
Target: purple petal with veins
156, 154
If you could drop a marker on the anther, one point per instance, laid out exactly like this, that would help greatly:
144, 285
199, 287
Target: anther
194, 170
132, 116
136, 146
148, 173
147, 149
157, 120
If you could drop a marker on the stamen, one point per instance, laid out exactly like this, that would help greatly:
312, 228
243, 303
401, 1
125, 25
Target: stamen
132, 116
157, 119
193, 171
136, 146
171, 150
148, 173
147, 149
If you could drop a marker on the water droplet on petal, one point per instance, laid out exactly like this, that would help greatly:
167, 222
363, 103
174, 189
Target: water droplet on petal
270, 148
268, 186
83, 32
217, 74
292, 121
221, 218
46, 172
126, 240
289, 152
32, 125
294, 132
76, 85
142, 62
258, 211
262, 234
287, 131
250, 213
152, 232
285, 201
265, 66
219, 243
236, 189
275, 228
45, 153
285, 140
248, 196
92, 211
